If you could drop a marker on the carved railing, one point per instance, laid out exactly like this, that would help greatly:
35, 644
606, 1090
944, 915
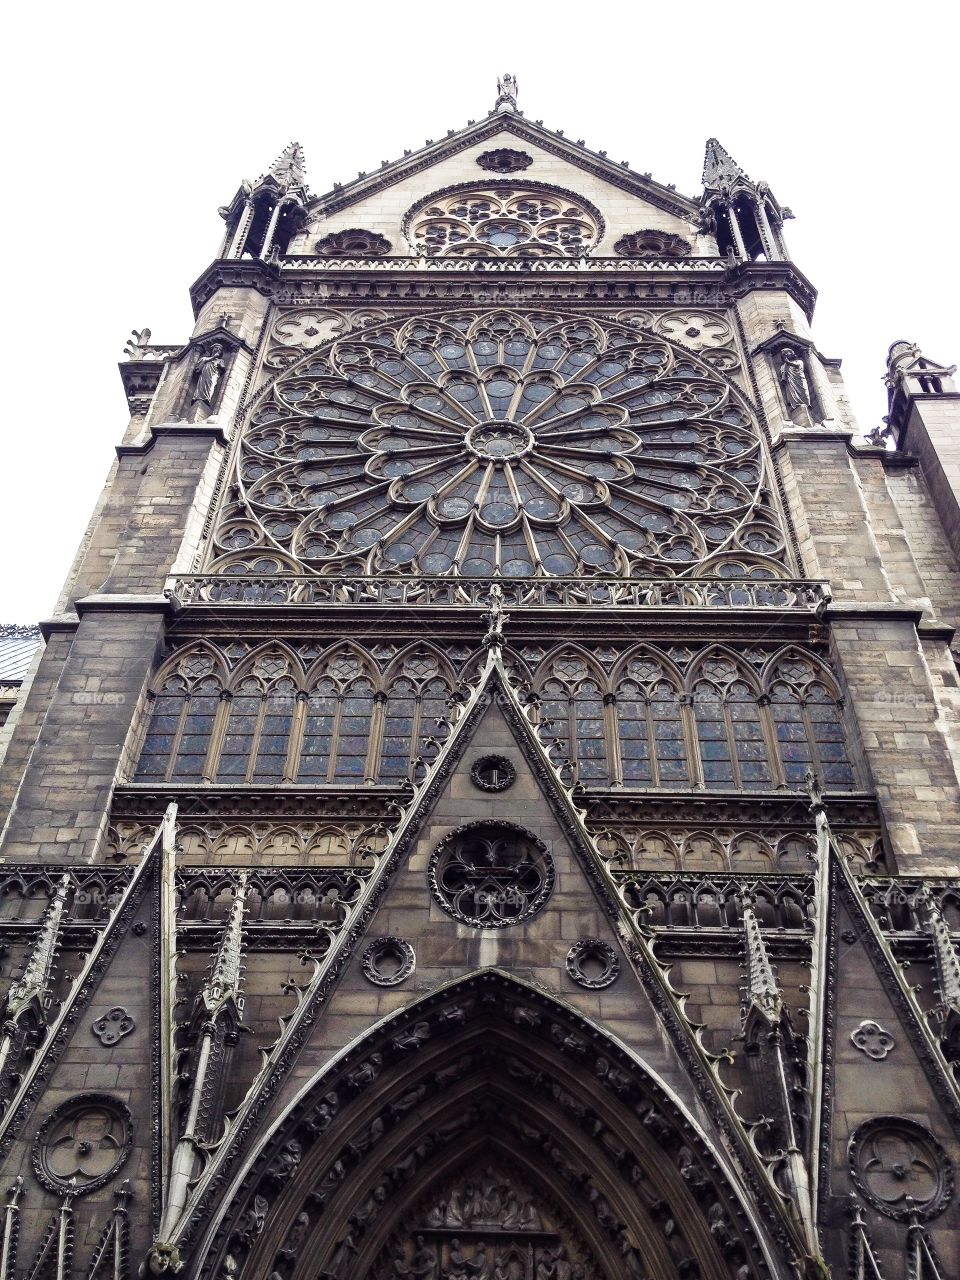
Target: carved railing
900, 904
308, 895
512, 265
535, 593
681, 900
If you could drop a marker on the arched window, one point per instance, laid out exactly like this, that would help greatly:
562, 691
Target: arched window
733, 747
257, 736
653, 750
181, 724
353, 732
808, 722
572, 712
321, 719
411, 718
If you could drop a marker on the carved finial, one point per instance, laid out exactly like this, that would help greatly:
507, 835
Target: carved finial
33, 987
945, 956
222, 987
814, 791
762, 988
720, 170
495, 618
289, 170
506, 93
136, 342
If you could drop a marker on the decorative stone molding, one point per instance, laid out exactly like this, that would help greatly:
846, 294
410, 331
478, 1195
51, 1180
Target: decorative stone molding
491, 874
83, 1144
900, 1168
354, 243
593, 964
651, 244
113, 1026
871, 1039
388, 961
504, 160
493, 773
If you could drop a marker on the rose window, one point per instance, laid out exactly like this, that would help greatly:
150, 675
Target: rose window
504, 222
491, 874
495, 445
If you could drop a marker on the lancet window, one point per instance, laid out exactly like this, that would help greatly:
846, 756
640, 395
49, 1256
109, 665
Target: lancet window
272, 722
722, 726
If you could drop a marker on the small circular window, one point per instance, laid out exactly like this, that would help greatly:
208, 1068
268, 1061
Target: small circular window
491, 874
493, 773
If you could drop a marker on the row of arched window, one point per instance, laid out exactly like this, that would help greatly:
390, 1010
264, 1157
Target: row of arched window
723, 723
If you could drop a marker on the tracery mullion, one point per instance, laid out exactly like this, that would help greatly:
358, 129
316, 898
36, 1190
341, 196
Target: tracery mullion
177, 737
212, 762
255, 739
297, 725
335, 736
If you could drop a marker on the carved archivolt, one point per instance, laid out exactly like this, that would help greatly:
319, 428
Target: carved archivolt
502, 445
485, 1117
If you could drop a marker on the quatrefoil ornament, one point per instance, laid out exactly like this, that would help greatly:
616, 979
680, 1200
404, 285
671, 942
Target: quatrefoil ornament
871, 1039
113, 1026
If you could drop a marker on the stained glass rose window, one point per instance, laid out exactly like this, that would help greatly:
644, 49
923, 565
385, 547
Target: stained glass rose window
500, 445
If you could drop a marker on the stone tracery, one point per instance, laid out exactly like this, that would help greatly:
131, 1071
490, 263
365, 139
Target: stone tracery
504, 221
499, 445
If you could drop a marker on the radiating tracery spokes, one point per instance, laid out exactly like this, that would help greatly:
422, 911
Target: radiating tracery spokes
502, 445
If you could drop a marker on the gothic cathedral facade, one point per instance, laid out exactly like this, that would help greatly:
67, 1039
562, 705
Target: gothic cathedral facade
488, 803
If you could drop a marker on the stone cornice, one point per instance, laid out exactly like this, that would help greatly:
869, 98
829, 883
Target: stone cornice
576, 280
187, 430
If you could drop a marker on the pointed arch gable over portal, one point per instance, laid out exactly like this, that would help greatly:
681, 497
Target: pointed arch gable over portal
486, 1116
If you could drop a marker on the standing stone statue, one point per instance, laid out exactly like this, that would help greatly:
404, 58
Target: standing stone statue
207, 374
793, 380
507, 89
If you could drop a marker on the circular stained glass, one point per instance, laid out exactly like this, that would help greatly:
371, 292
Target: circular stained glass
491, 874
500, 445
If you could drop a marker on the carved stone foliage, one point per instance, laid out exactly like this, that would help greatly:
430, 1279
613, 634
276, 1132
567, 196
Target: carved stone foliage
900, 1168
388, 961
493, 773
485, 1123
83, 1143
503, 221
504, 160
354, 243
113, 1026
593, 964
491, 874
651, 244
501, 445
871, 1039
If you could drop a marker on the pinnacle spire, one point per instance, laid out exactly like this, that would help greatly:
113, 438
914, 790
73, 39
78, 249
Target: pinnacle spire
33, 985
223, 984
719, 167
289, 170
762, 988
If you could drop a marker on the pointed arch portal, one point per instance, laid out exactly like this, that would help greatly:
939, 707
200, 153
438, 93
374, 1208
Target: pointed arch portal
485, 1131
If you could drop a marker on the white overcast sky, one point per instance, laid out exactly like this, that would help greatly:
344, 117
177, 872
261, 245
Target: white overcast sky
128, 124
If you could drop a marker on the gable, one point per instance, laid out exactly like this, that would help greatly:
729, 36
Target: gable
380, 204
